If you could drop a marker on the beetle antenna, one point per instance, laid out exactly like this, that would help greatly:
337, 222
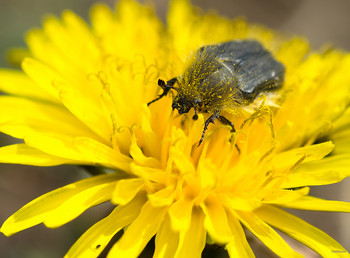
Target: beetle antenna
166, 88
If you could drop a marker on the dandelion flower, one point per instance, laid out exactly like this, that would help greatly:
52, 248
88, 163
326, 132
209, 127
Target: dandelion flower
82, 99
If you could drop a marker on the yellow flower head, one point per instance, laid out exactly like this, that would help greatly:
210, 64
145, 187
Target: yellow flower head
82, 99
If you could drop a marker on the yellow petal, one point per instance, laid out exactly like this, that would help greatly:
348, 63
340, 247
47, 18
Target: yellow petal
82, 149
20, 117
192, 240
162, 197
341, 133
238, 245
167, 240
266, 234
38, 46
101, 18
43, 76
98, 152
300, 230
140, 158
126, 190
84, 42
290, 158
137, 235
15, 55
317, 204
17, 83
182, 161
78, 203
135, 23
148, 174
242, 204
150, 138
84, 104
216, 221
40, 209
26, 155
342, 141
329, 170
180, 214
281, 196
56, 144
96, 238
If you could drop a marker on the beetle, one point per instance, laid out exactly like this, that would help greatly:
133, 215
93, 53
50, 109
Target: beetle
224, 77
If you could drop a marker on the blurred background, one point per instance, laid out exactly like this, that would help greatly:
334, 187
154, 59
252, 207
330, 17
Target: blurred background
321, 21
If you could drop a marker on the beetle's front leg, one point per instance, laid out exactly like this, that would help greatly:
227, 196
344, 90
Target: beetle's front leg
211, 119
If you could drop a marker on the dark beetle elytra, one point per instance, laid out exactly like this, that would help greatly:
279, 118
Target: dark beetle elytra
224, 76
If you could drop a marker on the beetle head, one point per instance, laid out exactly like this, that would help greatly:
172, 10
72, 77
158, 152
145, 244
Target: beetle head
182, 104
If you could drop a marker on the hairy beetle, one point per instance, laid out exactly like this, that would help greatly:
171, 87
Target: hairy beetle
224, 77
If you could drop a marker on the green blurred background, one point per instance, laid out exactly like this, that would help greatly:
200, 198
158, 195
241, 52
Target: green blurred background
321, 21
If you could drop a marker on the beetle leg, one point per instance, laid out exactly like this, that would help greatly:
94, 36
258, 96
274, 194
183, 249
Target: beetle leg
207, 122
197, 103
166, 88
195, 117
225, 121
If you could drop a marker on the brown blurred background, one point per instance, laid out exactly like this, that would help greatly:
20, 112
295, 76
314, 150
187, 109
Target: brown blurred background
321, 21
